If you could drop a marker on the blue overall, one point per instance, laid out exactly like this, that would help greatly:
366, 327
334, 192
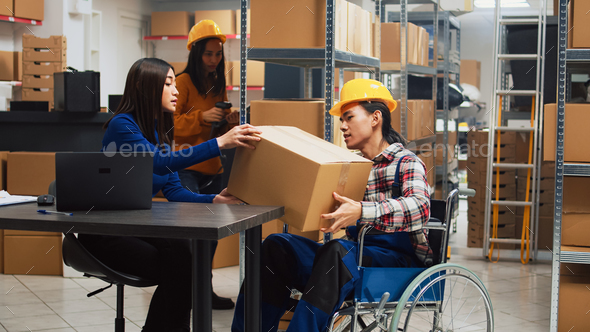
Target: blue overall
325, 274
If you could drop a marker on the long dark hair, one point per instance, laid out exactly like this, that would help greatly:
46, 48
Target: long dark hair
143, 99
389, 134
195, 69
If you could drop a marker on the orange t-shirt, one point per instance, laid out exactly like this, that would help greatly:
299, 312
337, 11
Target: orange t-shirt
189, 126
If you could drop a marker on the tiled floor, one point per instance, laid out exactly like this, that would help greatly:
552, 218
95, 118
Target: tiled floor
520, 296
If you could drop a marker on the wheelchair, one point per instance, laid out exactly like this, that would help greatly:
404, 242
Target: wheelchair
445, 297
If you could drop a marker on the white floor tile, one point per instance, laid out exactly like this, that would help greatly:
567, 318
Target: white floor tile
27, 324
18, 298
129, 327
42, 283
87, 304
89, 318
24, 310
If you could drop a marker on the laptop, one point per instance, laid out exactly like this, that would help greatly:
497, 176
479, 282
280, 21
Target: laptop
87, 181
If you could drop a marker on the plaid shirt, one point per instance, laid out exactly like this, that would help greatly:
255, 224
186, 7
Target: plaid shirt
407, 213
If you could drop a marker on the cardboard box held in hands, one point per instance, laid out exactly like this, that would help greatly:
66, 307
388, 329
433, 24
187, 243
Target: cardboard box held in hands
299, 171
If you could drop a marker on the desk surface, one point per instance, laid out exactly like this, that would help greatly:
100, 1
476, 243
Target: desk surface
177, 220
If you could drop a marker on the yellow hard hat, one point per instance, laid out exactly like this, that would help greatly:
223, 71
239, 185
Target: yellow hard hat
204, 29
362, 89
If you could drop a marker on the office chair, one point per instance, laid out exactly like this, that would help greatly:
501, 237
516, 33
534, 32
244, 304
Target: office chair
76, 256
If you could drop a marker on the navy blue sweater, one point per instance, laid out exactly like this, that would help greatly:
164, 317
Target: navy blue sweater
123, 134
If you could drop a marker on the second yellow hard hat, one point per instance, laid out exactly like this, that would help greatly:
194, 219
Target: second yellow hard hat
362, 89
204, 29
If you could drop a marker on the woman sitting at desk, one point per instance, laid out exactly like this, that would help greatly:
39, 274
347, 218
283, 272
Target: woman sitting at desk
144, 122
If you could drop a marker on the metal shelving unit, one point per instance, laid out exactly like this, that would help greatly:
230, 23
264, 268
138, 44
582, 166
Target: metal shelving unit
448, 22
19, 20
568, 62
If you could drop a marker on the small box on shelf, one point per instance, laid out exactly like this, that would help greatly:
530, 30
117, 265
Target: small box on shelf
225, 19
52, 42
173, 23
31, 9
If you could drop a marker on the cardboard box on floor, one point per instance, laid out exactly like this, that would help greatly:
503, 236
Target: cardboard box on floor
225, 19
574, 280
299, 171
307, 115
33, 255
577, 135
578, 24
31, 9
470, 72
545, 231
254, 73
227, 252
30, 173
174, 23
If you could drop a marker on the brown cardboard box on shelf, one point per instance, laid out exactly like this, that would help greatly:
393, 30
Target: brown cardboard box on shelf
452, 138
53, 42
341, 24
354, 21
38, 81
31, 9
1, 251
575, 194
428, 160
43, 68
30, 173
3, 168
33, 255
225, 19
364, 33
10, 66
239, 21
438, 153
299, 171
45, 55
427, 118
254, 73
178, 66
470, 72
7, 7
574, 229
390, 43
176, 23
227, 252
413, 119
280, 112
572, 306
575, 148
579, 24
277, 24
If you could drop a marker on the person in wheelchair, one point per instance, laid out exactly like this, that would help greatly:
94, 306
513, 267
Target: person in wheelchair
396, 205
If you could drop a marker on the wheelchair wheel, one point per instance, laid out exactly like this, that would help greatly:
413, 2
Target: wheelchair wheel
444, 298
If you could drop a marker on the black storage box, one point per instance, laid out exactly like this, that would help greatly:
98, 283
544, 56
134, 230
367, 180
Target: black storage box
114, 101
76, 91
39, 106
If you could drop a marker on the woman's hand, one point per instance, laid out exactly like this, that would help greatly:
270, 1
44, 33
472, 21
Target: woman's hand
215, 114
233, 117
239, 136
347, 214
225, 198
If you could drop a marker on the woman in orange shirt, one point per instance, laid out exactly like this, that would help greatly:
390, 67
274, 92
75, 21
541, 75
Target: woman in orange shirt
196, 119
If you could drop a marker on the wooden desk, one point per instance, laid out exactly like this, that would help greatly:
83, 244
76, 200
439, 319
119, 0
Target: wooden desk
198, 222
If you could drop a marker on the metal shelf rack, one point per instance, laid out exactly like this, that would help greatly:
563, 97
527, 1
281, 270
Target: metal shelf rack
568, 59
448, 22
13, 19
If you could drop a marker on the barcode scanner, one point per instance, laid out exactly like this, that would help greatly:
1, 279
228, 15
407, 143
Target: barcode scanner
216, 125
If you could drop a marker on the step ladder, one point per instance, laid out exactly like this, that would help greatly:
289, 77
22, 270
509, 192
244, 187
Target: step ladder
502, 93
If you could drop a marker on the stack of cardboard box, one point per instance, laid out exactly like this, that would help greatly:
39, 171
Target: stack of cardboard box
504, 189
283, 25
26, 252
390, 45
420, 119
42, 57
